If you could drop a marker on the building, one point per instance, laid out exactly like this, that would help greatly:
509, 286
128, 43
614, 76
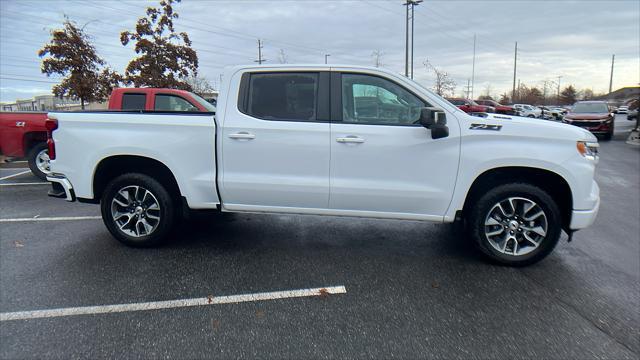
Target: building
49, 103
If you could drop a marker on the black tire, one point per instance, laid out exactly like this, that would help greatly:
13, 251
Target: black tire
608, 136
485, 203
167, 214
33, 159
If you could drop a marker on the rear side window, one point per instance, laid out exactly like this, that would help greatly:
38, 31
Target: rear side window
133, 101
165, 102
283, 96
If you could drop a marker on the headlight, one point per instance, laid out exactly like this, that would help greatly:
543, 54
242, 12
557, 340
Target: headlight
588, 149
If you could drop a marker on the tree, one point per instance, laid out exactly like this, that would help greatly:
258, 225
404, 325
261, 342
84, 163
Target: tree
71, 54
444, 84
199, 85
504, 99
486, 95
282, 57
568, 95
166, 57
587, 94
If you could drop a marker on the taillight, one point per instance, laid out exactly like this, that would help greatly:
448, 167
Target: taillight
51, 124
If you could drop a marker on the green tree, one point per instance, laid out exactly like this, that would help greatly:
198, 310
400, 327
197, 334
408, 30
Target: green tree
568, 95
165, 57
70, 53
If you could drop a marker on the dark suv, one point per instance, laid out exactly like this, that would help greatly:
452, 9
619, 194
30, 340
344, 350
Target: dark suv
593, 116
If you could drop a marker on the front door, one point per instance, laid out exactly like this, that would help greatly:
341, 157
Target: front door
383, 163
275, 143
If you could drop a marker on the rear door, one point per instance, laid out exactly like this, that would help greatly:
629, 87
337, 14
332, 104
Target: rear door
275, 143
383, 163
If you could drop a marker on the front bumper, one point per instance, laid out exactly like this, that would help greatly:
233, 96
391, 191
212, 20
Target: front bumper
581, 219
61, 187
594, 126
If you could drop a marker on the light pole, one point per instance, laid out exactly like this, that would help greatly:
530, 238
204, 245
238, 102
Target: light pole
411, 3
414, 3
326, 56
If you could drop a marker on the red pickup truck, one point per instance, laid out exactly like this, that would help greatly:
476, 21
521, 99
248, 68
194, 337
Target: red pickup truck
22, 134
470, 106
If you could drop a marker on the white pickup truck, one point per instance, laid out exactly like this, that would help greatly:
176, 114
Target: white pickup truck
331, 140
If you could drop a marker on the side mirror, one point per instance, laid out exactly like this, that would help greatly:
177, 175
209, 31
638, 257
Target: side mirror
434, 120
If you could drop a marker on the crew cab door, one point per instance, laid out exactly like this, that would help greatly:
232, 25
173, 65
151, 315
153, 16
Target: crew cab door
383, 163
275, 143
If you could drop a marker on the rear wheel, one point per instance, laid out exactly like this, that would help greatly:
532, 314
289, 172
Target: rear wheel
138, 210
515, 224
39, 161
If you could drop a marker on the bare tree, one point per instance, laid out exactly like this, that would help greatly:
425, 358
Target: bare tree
199, 85
377, 57
444, 84
166, 57
282, 57
71, 54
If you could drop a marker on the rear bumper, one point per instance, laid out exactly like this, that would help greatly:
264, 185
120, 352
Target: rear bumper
581, 219
61, 187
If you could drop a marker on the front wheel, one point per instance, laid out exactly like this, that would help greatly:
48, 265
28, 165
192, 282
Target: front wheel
515, 224
137, 210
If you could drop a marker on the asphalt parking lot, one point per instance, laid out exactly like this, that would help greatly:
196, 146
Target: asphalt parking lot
412, 289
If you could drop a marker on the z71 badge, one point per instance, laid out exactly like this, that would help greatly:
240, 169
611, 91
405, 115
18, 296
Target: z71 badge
485, 127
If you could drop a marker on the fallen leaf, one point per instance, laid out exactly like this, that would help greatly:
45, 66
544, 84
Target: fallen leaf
260, 313
435, 285
18, 244
324, 293
215, 324
209, 299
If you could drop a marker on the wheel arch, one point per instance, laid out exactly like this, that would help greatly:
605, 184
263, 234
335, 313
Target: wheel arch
551, 182
31, 139
113, 166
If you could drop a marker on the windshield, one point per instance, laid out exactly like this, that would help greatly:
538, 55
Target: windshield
593, 108
207, 105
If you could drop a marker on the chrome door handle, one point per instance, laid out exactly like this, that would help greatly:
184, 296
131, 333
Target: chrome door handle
242, 136
350, 139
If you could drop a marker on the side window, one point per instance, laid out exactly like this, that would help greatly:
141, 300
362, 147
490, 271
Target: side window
133, 101
165, 102
373, 100
283, 96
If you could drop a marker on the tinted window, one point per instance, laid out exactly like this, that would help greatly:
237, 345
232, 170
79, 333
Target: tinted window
457, 102
283, 96
133, 101
594, 108
172, 103
374, 100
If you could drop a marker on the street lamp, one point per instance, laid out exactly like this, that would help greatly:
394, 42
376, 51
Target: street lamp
413, 4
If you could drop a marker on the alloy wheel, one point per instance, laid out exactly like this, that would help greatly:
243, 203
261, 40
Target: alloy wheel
516, 226
135, 211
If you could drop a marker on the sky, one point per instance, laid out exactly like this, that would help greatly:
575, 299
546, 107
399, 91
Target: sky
573, 40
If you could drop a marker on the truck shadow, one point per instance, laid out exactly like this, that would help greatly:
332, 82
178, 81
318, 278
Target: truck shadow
255, 232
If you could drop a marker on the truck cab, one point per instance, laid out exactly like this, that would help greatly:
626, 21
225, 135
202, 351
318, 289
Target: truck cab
157, 99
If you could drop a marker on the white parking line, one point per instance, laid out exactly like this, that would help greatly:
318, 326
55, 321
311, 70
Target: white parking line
14, 175
60, 218
155, 305
23, 184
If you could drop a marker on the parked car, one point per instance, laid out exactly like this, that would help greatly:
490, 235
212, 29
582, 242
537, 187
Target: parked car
528, 110
470, 106
632, 115
622, 110
499, 108
286, 140
23, 134
554, 112
593, 116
